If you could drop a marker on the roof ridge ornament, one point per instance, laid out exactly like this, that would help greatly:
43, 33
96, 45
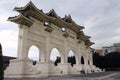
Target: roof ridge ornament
69, 16
68, 19
52, 13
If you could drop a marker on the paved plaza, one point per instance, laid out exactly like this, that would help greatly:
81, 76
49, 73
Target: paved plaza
93, 76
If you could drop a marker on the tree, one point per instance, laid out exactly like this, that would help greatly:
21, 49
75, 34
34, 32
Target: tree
1, 64
110, 61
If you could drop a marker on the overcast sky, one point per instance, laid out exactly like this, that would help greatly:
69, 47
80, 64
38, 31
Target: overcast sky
101, 19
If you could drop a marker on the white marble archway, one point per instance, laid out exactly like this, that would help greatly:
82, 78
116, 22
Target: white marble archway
34, 31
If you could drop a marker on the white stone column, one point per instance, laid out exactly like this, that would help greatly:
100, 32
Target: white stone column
77, 60
43, 54
47, 54
65, 54
78, 57
85, 59
22, 42
91, 59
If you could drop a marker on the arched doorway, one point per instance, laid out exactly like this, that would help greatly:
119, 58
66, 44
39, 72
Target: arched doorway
88, 62
55, 56
82, 60
71, 58
34, 54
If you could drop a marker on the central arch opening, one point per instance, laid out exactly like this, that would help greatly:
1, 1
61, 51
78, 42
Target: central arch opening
71, 58
34, 54
55, 56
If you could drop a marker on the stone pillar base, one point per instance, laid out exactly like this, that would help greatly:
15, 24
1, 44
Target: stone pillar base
79, 67
64, 67
83, 68
16, 68
87, 68
45, 67
23, 68
73, 70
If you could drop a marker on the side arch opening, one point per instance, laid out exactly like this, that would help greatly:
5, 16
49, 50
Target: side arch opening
34, 54
55, 56
82, 60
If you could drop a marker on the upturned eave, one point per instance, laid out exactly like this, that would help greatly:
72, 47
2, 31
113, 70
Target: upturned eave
89, 43
20, 19
26, 7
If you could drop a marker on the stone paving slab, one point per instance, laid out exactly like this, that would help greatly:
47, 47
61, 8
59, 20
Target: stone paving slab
92, 76
114, 77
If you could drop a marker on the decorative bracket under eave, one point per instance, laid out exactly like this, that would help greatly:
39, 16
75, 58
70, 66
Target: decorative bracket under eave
66, 34
79, 41
49, 29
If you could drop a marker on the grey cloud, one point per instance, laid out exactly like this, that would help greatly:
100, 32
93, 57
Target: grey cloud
101, 18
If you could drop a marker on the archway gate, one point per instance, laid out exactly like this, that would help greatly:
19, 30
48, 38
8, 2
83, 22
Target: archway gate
47, 31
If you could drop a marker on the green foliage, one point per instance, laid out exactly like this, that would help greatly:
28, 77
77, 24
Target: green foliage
1, 64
